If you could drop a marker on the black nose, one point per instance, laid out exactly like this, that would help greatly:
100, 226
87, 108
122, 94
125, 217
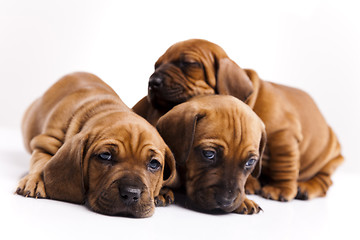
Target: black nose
129, 195
155, 82
225, 201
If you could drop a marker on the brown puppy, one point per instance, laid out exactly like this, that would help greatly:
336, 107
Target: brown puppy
214, 158
88, 146
302, 150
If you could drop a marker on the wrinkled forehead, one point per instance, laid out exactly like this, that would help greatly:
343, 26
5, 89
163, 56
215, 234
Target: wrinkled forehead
192, 48
230, 125
132, 139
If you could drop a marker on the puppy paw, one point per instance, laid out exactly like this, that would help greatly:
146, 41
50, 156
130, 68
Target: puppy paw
248, 207
302, 193
282, 194
310, 189
252, 186
31, 185
165, 198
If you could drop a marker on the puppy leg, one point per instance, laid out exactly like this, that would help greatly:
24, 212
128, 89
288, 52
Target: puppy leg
165, 198
32, 185
320, 183
248, 207
283, 167
252, 186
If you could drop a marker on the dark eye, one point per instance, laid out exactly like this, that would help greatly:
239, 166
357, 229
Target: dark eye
250, 162
189, 64
106, 156
154, 165
209, 155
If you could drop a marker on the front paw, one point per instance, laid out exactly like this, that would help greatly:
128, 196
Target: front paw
165, 198
279, 193
248, 207
252, 186
31, 185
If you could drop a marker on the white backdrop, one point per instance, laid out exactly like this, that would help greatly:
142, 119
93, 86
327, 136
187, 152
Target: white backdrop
313, 45
310, 44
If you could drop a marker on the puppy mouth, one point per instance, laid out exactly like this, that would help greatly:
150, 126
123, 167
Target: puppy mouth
110, 202
208, 199
167, 97
111, 207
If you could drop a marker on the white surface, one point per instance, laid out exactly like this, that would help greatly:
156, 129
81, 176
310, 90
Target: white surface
310, 44
333, 217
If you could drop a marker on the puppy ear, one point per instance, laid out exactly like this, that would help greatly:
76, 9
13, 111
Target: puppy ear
170, 174
256, 172
145, 109
63, 174
177, 128
141, 107
232, 80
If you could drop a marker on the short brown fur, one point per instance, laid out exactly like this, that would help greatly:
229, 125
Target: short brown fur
302, 150
192, 131
78, 120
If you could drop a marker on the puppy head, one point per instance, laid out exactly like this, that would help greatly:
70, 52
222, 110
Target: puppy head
219, 141
116, 170
195, 67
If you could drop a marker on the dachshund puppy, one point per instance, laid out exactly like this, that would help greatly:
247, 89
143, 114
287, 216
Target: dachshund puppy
88, 147
302, 150
217, 142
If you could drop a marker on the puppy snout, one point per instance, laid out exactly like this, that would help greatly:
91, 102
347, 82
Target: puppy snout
155, 81
225, 200
129, 195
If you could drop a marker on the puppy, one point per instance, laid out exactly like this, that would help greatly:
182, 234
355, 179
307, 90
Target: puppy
217, 142
88, 147
302, 150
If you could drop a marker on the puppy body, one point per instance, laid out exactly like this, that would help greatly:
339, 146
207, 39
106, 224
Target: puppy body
214, 158
302, 151
88, 146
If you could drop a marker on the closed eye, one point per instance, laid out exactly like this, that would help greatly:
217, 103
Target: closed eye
186, 64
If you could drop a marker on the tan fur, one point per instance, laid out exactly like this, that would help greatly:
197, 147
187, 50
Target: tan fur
70, 126
302, 150
193, 127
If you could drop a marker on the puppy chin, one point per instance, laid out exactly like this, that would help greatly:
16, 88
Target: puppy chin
206, 200
232, 207
124, 211
160, 103
108, 202
165, 100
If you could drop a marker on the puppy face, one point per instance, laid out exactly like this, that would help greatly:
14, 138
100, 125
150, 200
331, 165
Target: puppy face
226, 140
195, 67
185, 70
118, 171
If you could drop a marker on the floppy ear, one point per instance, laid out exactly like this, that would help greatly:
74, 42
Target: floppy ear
141, 107
170, 174
145, 109
63, 174
256, 172
177, 128
232, 80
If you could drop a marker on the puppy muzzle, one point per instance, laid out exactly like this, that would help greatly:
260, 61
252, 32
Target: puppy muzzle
164, 93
